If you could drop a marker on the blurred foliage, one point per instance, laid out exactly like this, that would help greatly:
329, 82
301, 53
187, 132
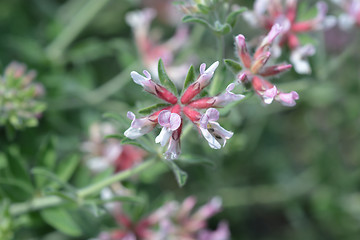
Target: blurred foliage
285, 174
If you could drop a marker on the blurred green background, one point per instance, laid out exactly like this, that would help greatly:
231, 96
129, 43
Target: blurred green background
288, 173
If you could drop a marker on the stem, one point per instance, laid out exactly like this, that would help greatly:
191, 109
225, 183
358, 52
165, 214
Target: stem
73, 29
100, 94
217, 80
51, 201
95, 188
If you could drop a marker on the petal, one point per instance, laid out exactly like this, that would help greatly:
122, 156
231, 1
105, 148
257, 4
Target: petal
139, 79
210, 115
210, 138
298, 58
209, 209
164, 118
164, 136
227, 97
221, 132
202, 68
133, 133
131, 115
269, 95
173, 150
288, 99
175, 121
212, 68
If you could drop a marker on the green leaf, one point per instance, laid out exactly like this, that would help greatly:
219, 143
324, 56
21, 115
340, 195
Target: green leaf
180, 175
132, 142
190, 77
117, 136
17, 183
221, 29
164, 78
67, 167
231, 18
194, 19
203, 8
46, 173
117, 117
234, 66
16, 165
61, 220
192, 159
150, 109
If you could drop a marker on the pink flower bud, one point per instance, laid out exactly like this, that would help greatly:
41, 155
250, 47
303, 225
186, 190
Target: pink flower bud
242, 50
274, 70
259, 62
192, 114
152, 87
203, 80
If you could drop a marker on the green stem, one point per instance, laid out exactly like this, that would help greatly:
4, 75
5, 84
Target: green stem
216, 83
51, 201
75, 26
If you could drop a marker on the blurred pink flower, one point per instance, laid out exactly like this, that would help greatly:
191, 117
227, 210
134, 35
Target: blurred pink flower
104, 153
351, 15
172, 221
268, 13
151, 50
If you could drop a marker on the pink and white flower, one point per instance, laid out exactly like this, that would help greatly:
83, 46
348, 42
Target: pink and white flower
212, 131
266, 14
151, 50
255, 69
170, 118
351, 15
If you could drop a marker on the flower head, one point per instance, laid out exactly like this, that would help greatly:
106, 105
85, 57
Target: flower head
255, 68
351, 15
109, 153
20, 103
151, 50
173, 220
171, 117
267, 14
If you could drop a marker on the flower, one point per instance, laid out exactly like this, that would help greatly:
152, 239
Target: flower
171, 221
20, 104
102, 154
212, 131
351, 15
151, 50
268, 13
255, 69
171, 117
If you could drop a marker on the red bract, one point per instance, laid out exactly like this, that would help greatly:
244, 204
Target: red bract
171, 118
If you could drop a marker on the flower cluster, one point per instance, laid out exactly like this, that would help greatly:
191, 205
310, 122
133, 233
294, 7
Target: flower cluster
268, 13
19, 106
151, 50
351, 15
171, 222
110, 153
255, 70
171, 117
